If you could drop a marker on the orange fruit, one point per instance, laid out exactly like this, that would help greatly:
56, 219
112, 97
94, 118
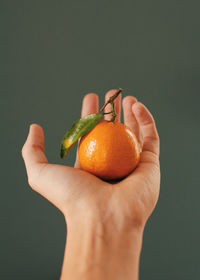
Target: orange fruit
110, 150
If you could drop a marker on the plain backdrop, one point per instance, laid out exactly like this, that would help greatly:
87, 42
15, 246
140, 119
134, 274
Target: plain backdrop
54, 52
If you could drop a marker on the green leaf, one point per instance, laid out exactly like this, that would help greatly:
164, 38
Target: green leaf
78, 129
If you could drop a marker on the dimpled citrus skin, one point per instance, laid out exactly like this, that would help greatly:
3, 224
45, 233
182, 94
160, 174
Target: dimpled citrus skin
110, 150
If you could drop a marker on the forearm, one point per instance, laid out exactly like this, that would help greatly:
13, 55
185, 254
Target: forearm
97, 252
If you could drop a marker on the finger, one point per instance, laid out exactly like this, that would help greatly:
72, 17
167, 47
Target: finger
129, 117
117, 103
151, 141
90, 105
147, 174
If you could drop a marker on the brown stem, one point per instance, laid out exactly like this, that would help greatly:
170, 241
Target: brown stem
113, 112
111, 99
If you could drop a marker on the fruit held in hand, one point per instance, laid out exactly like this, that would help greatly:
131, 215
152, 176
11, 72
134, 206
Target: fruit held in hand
107, 149
110, 150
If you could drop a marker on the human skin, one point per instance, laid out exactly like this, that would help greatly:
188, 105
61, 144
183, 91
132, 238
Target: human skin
105, 221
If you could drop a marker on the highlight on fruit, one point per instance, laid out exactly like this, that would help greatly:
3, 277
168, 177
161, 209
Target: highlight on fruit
107, 149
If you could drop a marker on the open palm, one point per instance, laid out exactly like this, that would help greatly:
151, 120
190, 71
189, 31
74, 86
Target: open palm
78, 193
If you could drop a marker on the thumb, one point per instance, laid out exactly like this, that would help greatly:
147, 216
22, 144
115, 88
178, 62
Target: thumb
58, 183
33, 151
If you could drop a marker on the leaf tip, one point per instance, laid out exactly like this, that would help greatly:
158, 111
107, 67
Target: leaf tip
62, 152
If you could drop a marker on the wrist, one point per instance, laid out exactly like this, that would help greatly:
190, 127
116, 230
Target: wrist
102, 250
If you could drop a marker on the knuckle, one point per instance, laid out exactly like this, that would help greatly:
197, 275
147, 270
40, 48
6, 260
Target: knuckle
37, 146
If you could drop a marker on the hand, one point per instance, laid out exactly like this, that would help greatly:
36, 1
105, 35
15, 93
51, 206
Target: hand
81, 196
70, 189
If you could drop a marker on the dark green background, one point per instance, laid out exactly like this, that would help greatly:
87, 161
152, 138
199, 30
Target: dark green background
52, 53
